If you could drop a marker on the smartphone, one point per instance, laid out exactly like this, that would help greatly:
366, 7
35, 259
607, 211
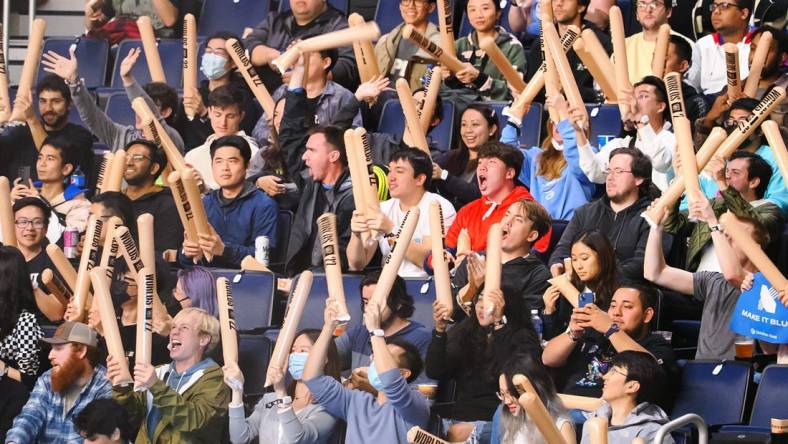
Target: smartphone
585, 299
24, 175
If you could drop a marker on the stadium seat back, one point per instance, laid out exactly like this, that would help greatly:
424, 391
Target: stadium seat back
423, 292
718, 395
284, 224
605, 121
170, 52
118, 108
253, 296
92, 55
392, 121
531, 128
284, 5
771, 400
312, 316
223, 15
254, 353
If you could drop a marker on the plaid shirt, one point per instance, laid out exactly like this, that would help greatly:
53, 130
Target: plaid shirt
43, 419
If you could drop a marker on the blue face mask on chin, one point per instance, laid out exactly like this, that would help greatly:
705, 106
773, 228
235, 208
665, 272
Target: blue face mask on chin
295, 365
373, 377
213, 66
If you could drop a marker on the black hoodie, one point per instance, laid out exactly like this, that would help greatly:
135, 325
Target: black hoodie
626, 230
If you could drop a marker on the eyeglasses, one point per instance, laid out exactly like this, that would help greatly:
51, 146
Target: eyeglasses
616, 172
137, 158
721, 6
35, 223
618, 370
420, 3
733, 123
505, 396
651, 6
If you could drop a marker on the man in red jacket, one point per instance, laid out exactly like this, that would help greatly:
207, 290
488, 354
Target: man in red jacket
496, 172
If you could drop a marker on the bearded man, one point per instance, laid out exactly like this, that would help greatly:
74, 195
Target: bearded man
61, 393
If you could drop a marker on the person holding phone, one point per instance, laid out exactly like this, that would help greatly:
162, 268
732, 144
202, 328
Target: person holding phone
594, 274
583, 353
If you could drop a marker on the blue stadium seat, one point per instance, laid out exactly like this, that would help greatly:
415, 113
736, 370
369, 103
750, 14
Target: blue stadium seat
254, 353
392, 121
465, 27
423, 292
231, 15
531, 128
170, 52
387, 16
719, 399
284, 5
118, 108
770, 400
605, 121
92, 56
253, 295
316, 303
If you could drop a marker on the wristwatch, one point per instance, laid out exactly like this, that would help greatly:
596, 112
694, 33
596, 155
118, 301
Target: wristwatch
614, 328
714, 228
376, 332
283, 402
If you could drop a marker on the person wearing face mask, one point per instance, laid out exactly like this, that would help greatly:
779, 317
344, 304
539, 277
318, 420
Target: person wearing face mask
583, 354
355, 348
552, 172
472, 353
511, 424
289, 414
219, 70
396, 408
647, 129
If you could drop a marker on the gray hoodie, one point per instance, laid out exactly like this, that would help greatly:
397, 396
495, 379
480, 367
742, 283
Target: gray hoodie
642, 422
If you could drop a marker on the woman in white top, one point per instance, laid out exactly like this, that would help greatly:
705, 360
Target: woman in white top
511, 425
287, 415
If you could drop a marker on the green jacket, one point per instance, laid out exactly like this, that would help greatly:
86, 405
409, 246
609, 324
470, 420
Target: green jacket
386, 53
490, 85
197, 413
768, 214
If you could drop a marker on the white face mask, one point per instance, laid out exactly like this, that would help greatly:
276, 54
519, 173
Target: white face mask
213, 66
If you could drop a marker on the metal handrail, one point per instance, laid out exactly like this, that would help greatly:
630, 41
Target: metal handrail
31, 13
689, 418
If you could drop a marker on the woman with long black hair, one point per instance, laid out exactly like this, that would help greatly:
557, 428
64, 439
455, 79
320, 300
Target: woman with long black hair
19, 336
593, 271
472, 354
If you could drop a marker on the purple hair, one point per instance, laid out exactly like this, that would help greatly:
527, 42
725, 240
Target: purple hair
199, 285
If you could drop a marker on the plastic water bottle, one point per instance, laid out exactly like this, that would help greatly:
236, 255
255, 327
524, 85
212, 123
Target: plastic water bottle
78, 179
537, 322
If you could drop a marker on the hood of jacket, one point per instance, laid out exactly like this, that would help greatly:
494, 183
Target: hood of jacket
643, 413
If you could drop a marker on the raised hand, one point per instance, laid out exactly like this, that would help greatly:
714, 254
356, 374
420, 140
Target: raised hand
65, 68
128, 64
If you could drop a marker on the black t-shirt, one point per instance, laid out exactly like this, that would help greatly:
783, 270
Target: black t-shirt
591, 358
128, 336
168, 230
36, 266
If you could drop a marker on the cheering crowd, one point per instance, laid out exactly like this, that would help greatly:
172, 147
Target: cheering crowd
589, 286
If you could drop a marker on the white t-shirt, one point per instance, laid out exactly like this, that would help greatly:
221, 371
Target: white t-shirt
393, 211
712, 76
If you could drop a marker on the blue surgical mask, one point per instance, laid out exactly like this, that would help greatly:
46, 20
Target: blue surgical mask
296, 363
213, 66
373, 377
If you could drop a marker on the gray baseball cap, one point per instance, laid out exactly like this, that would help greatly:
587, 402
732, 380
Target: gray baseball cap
76, 332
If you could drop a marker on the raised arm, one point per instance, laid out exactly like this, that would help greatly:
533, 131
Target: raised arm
729, 262
167, 12
657, 271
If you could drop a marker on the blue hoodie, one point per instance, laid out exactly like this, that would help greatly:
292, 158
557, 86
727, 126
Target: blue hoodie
239, 222
560, 196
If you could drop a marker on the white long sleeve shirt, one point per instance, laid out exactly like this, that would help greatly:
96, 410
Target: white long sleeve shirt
658, 147
711, 75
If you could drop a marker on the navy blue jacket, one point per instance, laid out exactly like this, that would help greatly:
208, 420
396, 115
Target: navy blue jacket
239, 223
